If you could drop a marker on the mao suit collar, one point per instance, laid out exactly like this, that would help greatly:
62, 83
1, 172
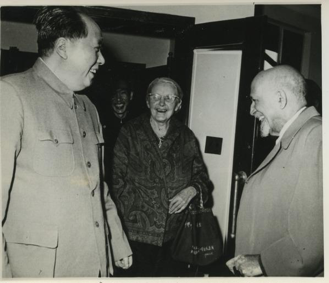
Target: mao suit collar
43, 71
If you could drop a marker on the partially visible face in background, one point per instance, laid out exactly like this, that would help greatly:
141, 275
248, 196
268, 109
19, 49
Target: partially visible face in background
120, 101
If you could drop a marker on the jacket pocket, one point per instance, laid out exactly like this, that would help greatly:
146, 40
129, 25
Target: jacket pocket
53, 153
33, 235
32, 251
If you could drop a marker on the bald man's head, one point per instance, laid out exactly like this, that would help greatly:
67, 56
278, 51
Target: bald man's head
277, 94
285, 78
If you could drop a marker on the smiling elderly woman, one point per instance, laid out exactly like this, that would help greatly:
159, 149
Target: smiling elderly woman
157, 171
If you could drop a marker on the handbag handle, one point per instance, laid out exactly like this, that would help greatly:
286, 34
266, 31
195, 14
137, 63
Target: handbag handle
201, 200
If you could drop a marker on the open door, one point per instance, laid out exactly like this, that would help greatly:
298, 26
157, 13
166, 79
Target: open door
215, 64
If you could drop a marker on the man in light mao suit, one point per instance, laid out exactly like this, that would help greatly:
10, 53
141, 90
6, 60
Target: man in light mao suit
58, 219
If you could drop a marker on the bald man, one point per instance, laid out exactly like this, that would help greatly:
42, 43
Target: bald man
280, 220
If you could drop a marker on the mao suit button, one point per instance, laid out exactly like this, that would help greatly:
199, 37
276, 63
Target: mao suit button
96, 224
56, 141
84, 134
92, 193
88, 164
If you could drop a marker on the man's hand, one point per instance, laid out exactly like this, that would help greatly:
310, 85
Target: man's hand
181, 200
247, 265
124, 263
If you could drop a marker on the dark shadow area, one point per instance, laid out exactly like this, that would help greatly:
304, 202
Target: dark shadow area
314, 95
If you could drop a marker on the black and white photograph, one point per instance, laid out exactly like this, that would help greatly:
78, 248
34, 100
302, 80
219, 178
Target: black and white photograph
163, 140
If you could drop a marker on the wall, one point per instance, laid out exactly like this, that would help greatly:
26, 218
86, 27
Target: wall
22, 36
128, 48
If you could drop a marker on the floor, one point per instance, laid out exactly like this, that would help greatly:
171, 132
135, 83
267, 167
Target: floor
216, 269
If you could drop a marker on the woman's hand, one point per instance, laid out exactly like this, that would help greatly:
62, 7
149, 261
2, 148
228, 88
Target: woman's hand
179, 202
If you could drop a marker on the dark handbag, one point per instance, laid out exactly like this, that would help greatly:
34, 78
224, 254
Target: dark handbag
198, 240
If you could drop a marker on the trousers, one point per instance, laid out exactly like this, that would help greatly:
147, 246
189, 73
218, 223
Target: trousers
152, 261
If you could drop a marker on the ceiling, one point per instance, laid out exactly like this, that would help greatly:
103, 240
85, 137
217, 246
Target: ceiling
115, 20
313, 11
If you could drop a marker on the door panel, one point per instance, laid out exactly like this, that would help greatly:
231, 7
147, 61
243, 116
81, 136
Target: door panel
244, 36
213, 112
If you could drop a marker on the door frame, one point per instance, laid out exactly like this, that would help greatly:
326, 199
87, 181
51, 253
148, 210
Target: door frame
247, 35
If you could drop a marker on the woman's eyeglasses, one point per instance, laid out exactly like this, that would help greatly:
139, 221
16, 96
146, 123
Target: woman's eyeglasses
169, 98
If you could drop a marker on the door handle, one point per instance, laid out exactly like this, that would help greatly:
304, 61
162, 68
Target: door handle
240, 177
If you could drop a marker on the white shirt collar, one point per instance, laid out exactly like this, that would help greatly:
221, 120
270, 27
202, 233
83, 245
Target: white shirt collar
287, 125
44, 62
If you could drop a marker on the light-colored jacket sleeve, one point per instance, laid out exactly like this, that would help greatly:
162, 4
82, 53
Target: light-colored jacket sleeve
11, 134
300, 252
119, 242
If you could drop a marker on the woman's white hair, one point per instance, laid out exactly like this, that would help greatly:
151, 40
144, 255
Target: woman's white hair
156, 81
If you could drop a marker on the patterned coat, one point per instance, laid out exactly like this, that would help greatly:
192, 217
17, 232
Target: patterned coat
146, 177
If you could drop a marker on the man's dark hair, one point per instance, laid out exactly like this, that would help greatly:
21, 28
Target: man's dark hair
120, 84
55, 22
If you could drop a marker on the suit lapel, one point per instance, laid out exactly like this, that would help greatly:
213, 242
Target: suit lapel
268, 159
289, 135
295, 127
